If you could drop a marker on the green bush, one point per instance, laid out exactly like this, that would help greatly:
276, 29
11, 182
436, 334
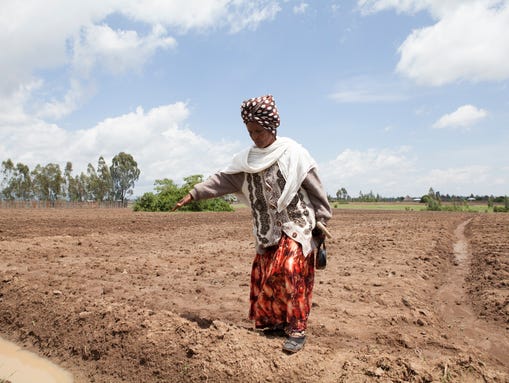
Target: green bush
169, 193
145, 202
215, 204
433, 204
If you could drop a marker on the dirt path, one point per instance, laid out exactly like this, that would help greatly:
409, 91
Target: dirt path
453, 304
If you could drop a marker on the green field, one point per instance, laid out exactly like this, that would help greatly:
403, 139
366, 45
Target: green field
397, 206
409, 206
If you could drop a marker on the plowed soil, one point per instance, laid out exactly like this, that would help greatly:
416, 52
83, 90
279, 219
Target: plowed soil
117, 296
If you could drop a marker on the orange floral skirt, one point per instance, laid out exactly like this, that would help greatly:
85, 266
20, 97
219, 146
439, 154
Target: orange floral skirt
282, 287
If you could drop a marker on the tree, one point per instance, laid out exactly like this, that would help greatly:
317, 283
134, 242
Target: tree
104, 187
342, 194
48, 182
92, 184
23, 182
76, 185
8, 173
124, 173
16, 181
168, 194
165, 185
432, 200
370, 197
345, 193
190, 181
69, 181
81, 190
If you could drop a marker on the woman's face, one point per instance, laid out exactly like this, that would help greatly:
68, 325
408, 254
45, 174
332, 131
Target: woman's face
261, 137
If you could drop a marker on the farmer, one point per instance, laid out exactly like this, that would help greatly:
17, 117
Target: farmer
279, 180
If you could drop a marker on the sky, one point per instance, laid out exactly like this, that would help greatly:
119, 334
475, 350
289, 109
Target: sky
392, 97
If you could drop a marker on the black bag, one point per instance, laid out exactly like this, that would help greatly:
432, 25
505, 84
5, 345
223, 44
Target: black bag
321, 251
321, 257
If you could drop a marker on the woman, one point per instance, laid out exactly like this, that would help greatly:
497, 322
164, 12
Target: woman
279, 180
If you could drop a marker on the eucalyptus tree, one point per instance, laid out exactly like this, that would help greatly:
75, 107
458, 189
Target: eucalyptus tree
70, 182
92, 183
76, 185
104, 186
16, 181
124, 173
48, 182
7, 174
23, 182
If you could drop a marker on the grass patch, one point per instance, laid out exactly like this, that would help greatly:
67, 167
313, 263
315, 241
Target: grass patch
405, 206
395, 206
379, 206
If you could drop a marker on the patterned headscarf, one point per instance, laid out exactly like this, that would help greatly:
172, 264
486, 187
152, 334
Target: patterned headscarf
261, 110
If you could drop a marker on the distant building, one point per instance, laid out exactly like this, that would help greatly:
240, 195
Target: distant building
411, 199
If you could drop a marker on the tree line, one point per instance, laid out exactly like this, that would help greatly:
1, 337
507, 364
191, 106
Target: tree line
49, 183
342, 195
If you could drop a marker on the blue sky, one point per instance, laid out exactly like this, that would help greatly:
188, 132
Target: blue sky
389, 96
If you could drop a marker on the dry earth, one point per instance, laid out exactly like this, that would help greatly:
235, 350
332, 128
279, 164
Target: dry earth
117, 296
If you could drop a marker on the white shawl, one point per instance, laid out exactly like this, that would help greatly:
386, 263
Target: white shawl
293, 160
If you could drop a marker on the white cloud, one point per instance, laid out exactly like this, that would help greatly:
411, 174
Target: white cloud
435, 7
469, 41
200, 15
56, 109
117, 51
382, 171
463, 180
72, 37
250, 14
360, 89
463, 117
394, 172
181, 14
45, 25
363, 95
11, 108
301, 8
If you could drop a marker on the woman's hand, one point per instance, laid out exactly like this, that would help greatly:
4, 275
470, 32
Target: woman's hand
184, 201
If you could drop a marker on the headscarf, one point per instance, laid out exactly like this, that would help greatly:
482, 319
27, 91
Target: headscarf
261, 110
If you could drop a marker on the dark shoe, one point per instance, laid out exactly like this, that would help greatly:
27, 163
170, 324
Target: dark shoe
293, 344
274, 332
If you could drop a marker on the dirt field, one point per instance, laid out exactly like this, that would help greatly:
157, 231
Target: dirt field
117, 296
